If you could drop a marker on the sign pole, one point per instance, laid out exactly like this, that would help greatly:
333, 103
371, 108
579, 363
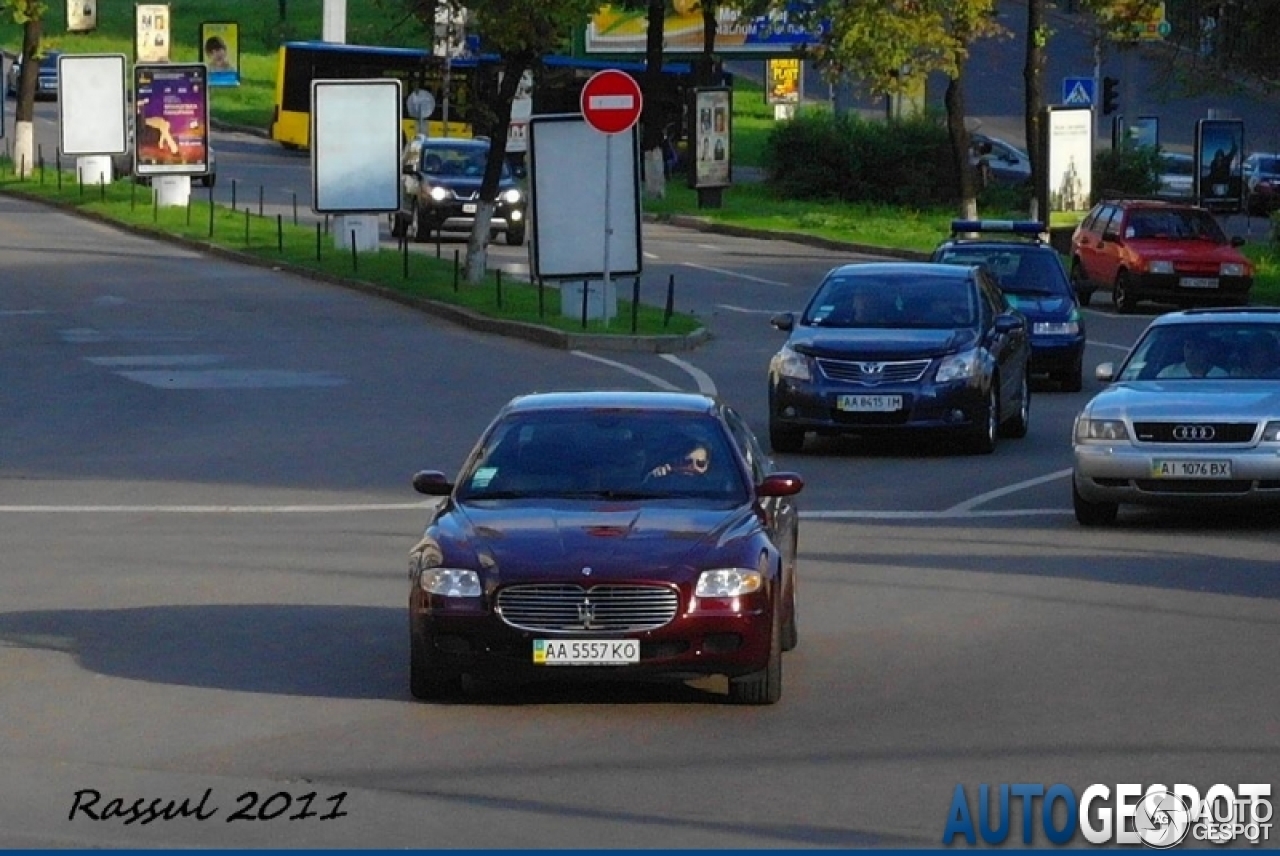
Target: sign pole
608, 221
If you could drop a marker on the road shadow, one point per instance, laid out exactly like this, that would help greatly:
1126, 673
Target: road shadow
334, 652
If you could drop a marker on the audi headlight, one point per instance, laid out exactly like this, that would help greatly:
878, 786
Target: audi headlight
450, 582
1101, 429
1160, 266
511, 197
1231, 269
439, 194
728, 582
1056, 328
959, 367
1271, 433
793, 364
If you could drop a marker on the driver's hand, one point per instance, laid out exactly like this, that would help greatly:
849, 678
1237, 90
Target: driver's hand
661, 470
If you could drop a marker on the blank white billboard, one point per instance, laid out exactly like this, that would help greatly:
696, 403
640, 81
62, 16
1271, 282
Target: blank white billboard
92, 107
573, 195
355, 146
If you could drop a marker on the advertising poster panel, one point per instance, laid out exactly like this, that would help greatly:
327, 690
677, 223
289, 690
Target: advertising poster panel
712, 114
785, 80
151, 32
1069, 144
82, 16
1219, 179
220, 51
171, 109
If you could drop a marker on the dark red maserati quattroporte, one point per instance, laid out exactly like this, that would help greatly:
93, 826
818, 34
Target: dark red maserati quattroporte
608, 535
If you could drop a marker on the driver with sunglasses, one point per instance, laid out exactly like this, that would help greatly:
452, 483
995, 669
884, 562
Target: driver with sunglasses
695, 463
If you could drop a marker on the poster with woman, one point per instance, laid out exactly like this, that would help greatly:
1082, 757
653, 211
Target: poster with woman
220, 51
1219, 153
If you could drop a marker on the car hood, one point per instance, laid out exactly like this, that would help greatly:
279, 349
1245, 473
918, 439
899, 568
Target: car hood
1210, 400
1188, 251
1041, 307
615, 540
879, 343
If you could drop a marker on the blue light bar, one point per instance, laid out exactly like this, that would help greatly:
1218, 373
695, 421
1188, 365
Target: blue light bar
1014, 227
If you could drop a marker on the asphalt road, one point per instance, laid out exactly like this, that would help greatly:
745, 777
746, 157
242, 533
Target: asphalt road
206, 514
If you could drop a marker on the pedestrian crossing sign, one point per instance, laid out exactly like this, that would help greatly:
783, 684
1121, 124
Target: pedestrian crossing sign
1077, 91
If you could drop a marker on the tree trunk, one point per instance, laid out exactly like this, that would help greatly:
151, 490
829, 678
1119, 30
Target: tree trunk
655, 185
1033, 80
959, 134
24, 155
477, 256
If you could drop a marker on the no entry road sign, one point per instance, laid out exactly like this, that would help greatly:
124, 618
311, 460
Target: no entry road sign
611, 101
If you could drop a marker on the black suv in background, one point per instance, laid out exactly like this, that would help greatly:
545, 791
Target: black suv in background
1017, 253
440, 190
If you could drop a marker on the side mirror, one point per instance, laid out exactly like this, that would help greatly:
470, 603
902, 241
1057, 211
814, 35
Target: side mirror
1105, 372
780, 484
1007, 322
784, 321
432, 483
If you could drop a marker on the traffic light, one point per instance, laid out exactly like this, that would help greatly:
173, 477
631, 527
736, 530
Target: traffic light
1110, 95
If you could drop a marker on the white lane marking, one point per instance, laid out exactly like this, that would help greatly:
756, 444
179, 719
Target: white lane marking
982, 498
734, 273
232, 379
632, 370
729, 307
706, 385
1109, 345
212, 509
649, 255
930, 515
16, 312
158, 360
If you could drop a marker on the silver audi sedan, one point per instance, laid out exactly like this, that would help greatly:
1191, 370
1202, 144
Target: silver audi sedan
1192, 416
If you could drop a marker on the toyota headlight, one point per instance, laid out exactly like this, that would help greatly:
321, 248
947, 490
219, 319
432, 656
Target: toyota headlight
439, 194
1101, 429
959, 367
793, 364
1160, 266
728, 582
511, 197
1231, 269
450, 582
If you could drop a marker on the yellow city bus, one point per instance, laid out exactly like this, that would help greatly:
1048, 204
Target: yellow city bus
299, 63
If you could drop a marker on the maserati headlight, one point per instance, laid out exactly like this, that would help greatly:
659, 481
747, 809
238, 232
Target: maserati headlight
451, 582
439, 194
728, 582
1160, 266
1101, 429
1231, 269
793, 364
511, 197
959, 367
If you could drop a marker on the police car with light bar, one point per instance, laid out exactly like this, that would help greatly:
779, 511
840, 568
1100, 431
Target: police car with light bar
1018, 255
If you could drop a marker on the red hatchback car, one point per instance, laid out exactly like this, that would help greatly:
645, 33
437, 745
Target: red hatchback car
1153, 250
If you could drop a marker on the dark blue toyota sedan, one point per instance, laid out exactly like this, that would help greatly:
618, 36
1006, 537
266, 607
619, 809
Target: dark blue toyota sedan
902, 346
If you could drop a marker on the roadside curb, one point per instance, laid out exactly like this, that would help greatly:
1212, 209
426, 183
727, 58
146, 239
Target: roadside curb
534, 333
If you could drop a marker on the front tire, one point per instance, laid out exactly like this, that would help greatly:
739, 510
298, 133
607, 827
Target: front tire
1016, 425
421, 228
785, 440
1072, 379
764, 686
982, 438
1080, 283
427, 681
1092, 513
1122, 294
